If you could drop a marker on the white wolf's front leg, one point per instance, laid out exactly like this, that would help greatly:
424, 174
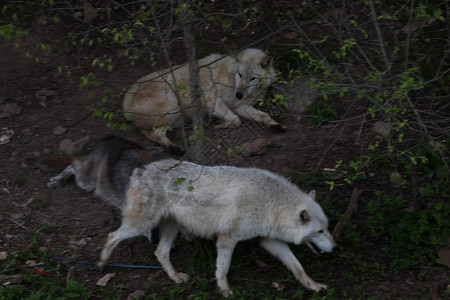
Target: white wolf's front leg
225, 247
251, 113
61, 177
281, 250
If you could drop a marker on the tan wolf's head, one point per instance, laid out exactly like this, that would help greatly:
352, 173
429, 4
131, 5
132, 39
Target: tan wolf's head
253, 73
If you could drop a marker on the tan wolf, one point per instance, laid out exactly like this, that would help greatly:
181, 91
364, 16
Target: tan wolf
230, 87
229, 203
105, 170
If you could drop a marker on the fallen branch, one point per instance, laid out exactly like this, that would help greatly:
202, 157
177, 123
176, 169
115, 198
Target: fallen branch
346, 217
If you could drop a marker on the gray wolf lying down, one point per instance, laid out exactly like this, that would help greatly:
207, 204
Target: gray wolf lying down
229, 203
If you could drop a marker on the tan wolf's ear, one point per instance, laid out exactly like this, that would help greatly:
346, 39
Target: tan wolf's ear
266, 62
312, 194
304, 216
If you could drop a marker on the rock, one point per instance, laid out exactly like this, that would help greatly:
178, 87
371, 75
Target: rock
6, 135
381, 128
138, 294
444, 257
256, 147
70, 147
444, 254
45, 94
9, 109
59, 130
104, 280
397, 180
437, 146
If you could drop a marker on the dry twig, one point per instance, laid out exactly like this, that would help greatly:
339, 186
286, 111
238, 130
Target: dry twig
352, 206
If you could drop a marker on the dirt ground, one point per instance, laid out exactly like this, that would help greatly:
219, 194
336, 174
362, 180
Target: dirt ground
47, 110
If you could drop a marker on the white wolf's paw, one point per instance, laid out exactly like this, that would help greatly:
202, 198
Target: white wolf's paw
318, 287
54, 182
180, 278
226, 293
101, 264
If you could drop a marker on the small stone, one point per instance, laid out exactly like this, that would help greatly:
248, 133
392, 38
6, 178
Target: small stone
138, 294
256, 147
381, 128
60, 130
436, 146
9, 109
397, 179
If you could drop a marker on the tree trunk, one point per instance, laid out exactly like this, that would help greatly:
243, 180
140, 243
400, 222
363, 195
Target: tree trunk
186, 17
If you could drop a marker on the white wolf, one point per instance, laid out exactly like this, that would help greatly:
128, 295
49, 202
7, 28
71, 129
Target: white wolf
229, 203
230, 87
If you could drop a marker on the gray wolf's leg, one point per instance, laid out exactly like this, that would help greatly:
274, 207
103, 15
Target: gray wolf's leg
114, 238
169, 231
61, 177
159, 135
281, 250
225, 247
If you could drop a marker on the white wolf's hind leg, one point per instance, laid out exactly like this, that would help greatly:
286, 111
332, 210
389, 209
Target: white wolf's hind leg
114, 238
61, 177
281, 251
169, 231
225, 248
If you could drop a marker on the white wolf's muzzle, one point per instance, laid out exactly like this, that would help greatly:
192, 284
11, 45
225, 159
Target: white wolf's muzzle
322, 244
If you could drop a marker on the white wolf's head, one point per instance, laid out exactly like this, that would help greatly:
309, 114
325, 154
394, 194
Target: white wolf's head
254, 71
318, 239
310, 225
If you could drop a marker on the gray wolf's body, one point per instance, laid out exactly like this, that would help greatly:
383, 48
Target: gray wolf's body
106, 170
229, 203
230, 87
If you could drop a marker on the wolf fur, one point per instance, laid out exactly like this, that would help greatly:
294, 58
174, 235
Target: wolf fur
106, 170
230, 87
229, 203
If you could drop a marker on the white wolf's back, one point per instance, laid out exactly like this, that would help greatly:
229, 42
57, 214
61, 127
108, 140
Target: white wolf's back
220, 199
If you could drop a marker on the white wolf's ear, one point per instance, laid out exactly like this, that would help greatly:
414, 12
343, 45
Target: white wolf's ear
266, 62
312, 194
304, 216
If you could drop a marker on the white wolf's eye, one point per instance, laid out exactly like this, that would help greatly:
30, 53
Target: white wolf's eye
253, 78
240, 75
320, 231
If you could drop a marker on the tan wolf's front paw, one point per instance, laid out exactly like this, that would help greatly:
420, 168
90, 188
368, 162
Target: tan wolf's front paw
278, 128
229, 124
